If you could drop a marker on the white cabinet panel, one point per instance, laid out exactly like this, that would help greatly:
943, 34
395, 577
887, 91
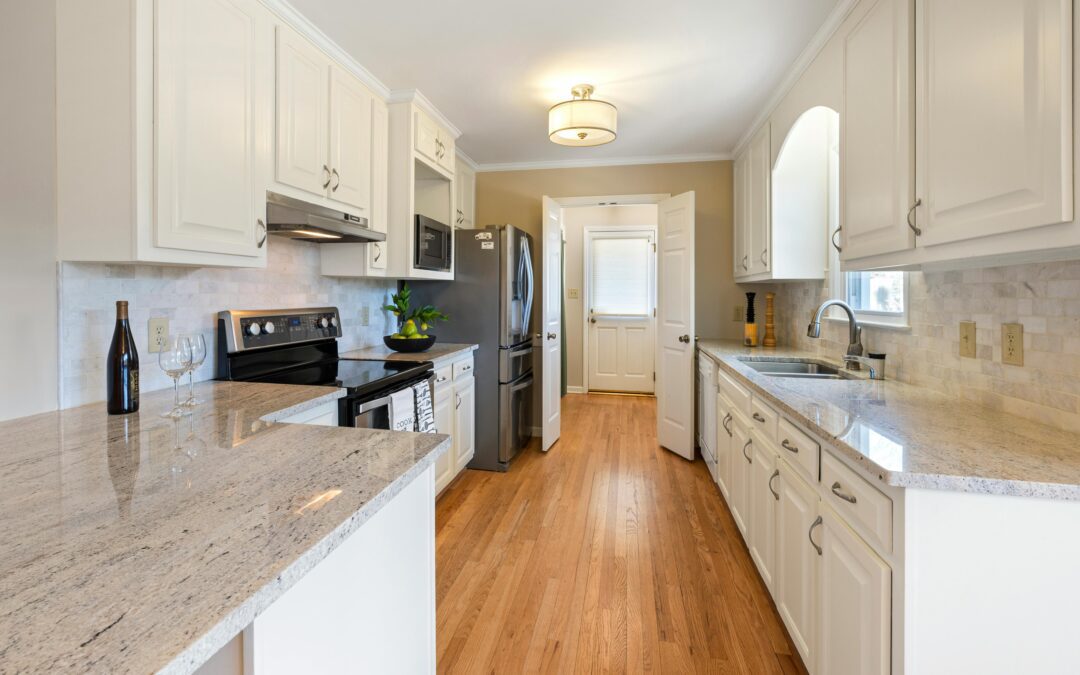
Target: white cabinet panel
350, 141
760, 200
380, 176
762, 506
876, 137
994, 126
302, 114
741, 458
854, 619
426, 140
742, 225
724, 442
443, 408
796, 560
207, 103
464, 421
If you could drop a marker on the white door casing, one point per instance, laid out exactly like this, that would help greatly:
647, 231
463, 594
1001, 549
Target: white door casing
550, 324
620, 346
675, 326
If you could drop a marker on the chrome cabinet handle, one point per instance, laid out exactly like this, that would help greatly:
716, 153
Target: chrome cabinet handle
839, 249
726, 422
744, 260
326, 170
775, 494
338, 183
914, 228
763, 261
849, 498
262, 229
746, 456
441, 379
685, 339
378, 251
551, 336
759, 418
786, 444
810, 535
466, 369
457, 401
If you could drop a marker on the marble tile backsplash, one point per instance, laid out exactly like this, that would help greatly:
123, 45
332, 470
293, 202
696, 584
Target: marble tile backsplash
191, 299
1044, 297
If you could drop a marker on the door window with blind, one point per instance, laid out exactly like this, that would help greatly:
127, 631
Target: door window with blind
620, 273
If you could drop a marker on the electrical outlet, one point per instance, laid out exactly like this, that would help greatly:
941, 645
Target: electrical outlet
967, 339
1012, 344
572, 293
738, 313
159, 334
365, 315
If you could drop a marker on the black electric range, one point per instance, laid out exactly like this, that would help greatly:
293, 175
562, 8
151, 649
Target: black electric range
300, 347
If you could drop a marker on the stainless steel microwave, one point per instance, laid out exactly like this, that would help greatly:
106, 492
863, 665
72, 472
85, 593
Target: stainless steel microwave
434, 244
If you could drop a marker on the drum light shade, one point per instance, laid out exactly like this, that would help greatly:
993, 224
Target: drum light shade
582, 121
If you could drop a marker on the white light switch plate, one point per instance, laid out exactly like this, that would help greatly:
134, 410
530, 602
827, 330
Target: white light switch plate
572, 293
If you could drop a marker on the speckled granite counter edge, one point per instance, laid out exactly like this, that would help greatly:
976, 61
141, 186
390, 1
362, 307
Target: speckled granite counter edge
900, 479
284, 413
208, 644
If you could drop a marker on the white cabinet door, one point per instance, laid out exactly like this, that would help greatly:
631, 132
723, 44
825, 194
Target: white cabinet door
741, 458
742, 210
994, 116
876, 131
724, 443
854, 616
465, 192
709, 407
426, 140
302, 114
796, 560
443, 409
208, 191
446, 153
464, 421
760, 201
762, 496
350, 141
380, 184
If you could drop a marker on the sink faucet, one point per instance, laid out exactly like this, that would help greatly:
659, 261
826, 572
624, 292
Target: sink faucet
855, 347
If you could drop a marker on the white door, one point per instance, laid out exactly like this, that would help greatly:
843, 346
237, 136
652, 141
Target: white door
876, 132
741, 459
620, 271
350, 141
303, 87
762, 496
675, 326
443, 408
760, 188
854, 615
464, 421
994, 116
206, 135
550, 322
796, 560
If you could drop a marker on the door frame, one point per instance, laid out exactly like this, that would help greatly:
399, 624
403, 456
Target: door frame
585, 289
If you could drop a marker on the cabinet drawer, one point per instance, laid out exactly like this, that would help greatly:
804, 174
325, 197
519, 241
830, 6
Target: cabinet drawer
444, 374
867, 509
799, 449
738, 395
764, 418
463, 367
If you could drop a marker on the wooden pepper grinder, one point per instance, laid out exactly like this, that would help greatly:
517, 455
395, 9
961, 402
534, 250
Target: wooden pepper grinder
770, 327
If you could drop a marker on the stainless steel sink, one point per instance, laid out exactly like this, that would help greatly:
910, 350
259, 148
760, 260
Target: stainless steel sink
805, 369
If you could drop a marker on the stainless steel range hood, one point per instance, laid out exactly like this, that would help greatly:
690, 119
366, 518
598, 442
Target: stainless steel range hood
298, 219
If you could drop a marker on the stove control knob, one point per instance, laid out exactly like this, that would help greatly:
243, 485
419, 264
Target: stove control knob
333, 321
323, 323
253, 329
268, 327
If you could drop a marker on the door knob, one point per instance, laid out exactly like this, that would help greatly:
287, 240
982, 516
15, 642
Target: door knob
551, 336
685, 339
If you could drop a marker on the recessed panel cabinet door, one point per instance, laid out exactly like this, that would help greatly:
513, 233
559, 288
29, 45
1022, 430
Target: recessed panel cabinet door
742, 456
350, 141
876, 127
741, 226
854, 615
207, 124
302, 114
464, 421
762, 506
443, 409
796, 560
994, 125
380, 177
760, 201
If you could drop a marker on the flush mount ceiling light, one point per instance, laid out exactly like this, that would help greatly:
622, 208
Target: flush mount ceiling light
582, 121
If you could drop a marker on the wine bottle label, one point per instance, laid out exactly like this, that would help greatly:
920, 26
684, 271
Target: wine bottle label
134, 383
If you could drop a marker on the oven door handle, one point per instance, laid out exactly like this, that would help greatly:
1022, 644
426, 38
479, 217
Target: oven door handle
368, 406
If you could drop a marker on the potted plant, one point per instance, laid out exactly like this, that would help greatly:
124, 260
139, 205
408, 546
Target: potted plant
412, 323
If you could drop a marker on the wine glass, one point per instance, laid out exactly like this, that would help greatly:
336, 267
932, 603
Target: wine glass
175, 359
198, 355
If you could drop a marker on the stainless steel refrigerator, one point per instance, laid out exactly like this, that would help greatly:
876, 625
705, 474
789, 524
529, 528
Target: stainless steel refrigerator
490, 303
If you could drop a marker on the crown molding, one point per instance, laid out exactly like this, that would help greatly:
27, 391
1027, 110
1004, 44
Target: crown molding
797, 68
466, 160
612, 161
293, 18
424, 103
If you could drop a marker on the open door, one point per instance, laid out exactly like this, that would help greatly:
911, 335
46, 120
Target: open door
675, 326
550, 322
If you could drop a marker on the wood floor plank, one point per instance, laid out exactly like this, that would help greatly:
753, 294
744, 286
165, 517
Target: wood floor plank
606, 554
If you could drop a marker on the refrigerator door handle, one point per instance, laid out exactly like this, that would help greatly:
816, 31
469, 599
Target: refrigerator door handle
528, 294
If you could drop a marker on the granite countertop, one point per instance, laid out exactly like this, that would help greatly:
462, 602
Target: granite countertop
437, 352
136, 544
910, 436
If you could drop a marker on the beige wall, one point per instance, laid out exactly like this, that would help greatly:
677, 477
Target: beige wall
28, 350
514, 197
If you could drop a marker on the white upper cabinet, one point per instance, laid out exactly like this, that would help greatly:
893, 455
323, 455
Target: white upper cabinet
741, 226
465, 188
876, 138
993, 118
303, 103
350, 140
432, 142
380, 168
759, 217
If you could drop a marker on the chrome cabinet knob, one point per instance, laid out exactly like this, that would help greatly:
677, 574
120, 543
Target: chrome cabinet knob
551, 336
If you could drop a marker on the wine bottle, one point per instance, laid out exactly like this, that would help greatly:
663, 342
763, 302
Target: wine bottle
122, 366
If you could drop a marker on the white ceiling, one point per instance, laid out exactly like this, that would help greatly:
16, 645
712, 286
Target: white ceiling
688, 76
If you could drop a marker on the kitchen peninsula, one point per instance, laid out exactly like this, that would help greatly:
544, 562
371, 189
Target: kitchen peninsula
136, 544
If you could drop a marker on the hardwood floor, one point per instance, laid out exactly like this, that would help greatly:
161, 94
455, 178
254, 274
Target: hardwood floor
607, 554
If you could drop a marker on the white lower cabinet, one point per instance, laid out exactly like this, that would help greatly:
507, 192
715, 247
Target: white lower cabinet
761, 529
795, 576
464, 421
455, 415
854, 615
443, 406
741, 458
724, 443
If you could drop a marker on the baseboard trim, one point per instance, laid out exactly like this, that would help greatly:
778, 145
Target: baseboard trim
575, 390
